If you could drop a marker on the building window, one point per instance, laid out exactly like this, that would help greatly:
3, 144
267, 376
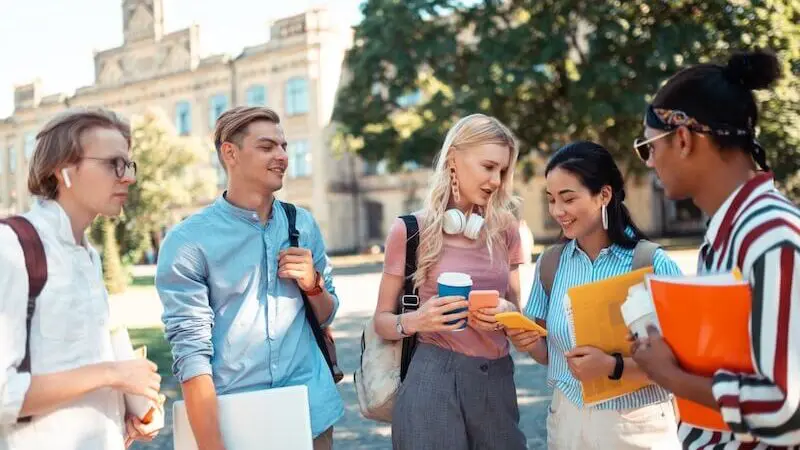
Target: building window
183, 118
217, 106
376, 167
12, 160
374, 212
296, 96
30, 145
256, 95
299, 159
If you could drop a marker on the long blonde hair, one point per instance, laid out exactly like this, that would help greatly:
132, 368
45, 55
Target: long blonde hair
470, 131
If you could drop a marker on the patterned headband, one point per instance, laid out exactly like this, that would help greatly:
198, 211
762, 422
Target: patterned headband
669, 119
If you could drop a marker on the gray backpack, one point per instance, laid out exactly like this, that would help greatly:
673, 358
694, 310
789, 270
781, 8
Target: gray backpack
643, 255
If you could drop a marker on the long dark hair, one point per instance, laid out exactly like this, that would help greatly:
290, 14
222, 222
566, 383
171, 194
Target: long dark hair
721, 97
595, 168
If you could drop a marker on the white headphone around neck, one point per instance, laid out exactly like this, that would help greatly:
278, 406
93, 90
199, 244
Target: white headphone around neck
455, 222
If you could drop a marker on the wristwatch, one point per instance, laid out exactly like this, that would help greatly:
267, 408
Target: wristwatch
317, 289
619, 367
399, 327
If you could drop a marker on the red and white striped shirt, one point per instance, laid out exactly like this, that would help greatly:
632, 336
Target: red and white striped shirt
758, 230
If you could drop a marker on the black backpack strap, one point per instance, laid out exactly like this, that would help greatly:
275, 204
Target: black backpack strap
643, 254
36, 266
548, 264
294, 241
409, 301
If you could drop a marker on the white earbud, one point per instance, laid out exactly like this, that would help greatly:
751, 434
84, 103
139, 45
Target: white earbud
67, 181
455, 222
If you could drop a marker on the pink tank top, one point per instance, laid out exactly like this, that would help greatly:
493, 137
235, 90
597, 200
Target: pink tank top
485, 274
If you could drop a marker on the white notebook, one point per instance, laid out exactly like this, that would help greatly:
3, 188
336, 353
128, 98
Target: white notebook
277, 419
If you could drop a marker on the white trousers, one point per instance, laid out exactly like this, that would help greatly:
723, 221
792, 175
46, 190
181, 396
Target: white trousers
652, 427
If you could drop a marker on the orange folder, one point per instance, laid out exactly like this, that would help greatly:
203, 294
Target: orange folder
594, 309
705, 320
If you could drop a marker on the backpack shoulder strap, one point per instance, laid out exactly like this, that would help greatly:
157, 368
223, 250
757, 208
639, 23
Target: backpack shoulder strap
36, 266
548, 264
412, 242
643, 254
33, 249
316, 328
409, 301
291, 216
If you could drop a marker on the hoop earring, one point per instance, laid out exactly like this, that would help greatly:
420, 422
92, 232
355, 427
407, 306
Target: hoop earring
454, 185
604, 213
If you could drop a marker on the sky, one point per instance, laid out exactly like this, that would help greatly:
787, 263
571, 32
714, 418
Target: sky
55, 40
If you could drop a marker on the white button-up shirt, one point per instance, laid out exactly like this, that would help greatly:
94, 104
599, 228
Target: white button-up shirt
70, 329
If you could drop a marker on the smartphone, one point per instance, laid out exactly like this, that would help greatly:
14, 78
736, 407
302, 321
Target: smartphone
515, 320
483, 299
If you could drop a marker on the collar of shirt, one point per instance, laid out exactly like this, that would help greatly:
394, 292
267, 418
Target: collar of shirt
222, 204
616, 250
50, 214
720, 224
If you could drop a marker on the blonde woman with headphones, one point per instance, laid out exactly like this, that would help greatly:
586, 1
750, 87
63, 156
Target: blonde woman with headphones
459, 391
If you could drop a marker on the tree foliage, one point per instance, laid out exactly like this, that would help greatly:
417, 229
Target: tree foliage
173, 173
114, 275
553, 70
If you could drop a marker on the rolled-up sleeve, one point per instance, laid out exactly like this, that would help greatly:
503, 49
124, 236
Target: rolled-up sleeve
188, 317
13, 301
322, 263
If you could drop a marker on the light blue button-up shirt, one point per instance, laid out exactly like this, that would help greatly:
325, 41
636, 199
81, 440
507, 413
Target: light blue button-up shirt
228, 314
574, 269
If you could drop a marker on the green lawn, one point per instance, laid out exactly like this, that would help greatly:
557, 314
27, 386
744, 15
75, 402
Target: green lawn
146, 281
158, 349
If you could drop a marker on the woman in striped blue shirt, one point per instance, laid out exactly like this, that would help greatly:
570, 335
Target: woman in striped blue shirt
586, 192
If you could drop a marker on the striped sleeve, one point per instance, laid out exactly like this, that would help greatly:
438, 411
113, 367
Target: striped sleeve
767, 404
664, 265
537, 301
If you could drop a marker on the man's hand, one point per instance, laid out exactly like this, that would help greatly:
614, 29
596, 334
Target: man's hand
138, 431
654, 357
298, 264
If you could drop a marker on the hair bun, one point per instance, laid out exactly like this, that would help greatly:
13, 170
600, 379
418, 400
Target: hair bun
753, 70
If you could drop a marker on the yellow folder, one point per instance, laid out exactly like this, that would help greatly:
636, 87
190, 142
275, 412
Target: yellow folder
596, 320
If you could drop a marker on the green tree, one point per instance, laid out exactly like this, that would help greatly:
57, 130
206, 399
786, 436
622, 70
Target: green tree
553, 70
114, 275
173, 174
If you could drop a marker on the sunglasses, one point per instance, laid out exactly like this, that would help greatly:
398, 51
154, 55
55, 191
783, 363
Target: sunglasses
122, 167
644, 147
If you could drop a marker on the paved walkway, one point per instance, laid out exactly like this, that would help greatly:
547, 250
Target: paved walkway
357, 288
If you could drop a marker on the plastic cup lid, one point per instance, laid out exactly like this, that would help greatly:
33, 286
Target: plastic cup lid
454, 279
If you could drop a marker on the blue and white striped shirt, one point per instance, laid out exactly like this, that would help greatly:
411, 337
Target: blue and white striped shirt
574, 269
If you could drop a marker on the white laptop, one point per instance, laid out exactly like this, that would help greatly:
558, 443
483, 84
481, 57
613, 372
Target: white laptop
277, 419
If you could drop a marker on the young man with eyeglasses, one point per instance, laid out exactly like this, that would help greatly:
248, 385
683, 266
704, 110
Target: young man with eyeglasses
60, 386
231, 283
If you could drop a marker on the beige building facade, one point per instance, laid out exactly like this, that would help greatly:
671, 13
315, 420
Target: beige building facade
297, 73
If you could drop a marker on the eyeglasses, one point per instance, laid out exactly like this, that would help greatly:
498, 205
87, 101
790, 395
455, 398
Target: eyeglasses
644, 147
122, 167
